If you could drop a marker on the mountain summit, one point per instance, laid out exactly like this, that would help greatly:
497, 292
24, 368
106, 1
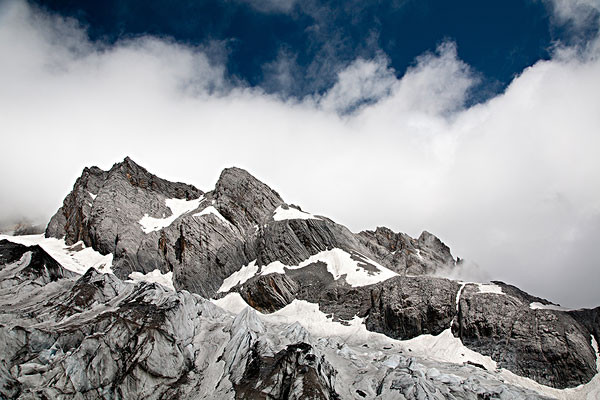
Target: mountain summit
279, 269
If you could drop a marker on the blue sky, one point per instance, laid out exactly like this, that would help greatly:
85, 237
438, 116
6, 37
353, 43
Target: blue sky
312, 40
478, 124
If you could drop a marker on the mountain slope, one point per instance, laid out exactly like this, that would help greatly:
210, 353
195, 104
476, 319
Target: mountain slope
242, 239
94, 336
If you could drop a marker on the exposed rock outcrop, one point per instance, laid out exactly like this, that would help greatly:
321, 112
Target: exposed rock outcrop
548, 346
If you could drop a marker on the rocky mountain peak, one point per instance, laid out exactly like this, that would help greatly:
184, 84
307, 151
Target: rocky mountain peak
139, 176
242, 198
242, 240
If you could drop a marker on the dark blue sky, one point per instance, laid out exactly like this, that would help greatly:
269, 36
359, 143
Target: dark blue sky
498, 39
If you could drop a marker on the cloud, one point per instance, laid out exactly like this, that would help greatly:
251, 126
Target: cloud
579, 12
362, 82
272, 6
509, 184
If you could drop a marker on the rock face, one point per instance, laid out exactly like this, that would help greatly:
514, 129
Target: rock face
243, 238
546, 345
96, 337
22, 266
104, 210
424, 255
404, 308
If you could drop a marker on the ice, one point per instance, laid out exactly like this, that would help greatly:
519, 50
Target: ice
443, 347
282, 214
307, 314
76, 258
239, 277
155, 276
588, 391
340, 263
178, 207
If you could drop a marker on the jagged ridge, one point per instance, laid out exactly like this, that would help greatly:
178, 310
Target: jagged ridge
239, 223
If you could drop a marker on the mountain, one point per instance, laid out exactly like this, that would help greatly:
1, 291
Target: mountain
271, 302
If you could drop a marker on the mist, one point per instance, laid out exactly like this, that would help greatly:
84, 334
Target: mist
512, 184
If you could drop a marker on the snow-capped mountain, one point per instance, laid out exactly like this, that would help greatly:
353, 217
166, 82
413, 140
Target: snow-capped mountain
145, 288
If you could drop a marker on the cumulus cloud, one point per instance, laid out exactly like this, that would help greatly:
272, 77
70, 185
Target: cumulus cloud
510, 184
362, 82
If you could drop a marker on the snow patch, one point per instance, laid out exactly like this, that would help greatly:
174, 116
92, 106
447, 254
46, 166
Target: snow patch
93, 196
317, 322
588, 391
281, 214
239, 277
233, 303
155, 276
211, 210
447, 348
76, 258
339, 263
303, 312
595, 347
539, 306
489, 288
178, 207
462, 287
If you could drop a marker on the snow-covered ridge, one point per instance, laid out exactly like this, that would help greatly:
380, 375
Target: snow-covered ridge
339, 263
443, 347
76, 258
239, 277
155, 276
178, 207
281, 214
539, 306
211, 210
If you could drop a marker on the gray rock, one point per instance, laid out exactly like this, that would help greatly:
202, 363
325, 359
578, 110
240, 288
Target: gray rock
423, 256
244, 200
548, 346
405, 307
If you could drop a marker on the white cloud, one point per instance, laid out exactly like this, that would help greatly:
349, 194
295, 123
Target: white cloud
362, 82
580, 12
510, 184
